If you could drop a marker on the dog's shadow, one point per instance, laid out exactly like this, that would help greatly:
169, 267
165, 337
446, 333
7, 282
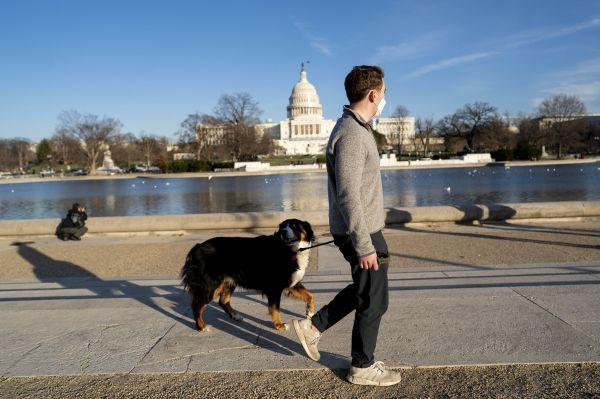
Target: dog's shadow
261, 333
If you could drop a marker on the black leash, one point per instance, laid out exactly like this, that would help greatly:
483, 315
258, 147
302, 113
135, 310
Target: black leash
317, 245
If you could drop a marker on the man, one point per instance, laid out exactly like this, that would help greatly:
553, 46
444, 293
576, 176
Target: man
356, 220
73, 226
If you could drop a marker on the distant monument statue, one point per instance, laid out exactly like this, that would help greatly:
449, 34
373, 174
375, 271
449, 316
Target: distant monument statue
108, 163
544, 153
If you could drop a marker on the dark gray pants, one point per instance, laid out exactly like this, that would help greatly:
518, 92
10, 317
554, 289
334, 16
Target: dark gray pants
368, 295
72, 231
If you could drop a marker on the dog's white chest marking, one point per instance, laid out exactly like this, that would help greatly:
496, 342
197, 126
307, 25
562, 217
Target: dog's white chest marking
302, 259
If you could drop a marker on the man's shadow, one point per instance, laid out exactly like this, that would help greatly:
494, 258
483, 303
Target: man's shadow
71, 276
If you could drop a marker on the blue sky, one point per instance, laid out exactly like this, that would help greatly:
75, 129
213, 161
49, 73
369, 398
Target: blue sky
150, 63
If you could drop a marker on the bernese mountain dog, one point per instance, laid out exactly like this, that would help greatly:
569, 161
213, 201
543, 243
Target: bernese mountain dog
272, 264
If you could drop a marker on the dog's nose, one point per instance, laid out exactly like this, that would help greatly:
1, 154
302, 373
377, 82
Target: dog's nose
289, 233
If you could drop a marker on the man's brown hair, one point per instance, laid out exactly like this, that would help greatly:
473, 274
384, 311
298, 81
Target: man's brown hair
361, 80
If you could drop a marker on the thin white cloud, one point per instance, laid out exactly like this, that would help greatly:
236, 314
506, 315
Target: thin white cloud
405, 50
400, 50
587, 91
584, 69
318, 43
450, 62
514, 41
581, 80
530, 37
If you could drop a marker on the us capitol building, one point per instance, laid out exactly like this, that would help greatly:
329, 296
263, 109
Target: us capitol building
305, 131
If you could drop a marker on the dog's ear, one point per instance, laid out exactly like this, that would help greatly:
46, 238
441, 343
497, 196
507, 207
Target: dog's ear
310, 235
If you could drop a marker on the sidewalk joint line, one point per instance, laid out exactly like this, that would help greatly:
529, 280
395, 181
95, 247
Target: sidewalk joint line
548, 311
152, 347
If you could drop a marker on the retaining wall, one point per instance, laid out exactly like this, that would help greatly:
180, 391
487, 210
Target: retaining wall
259, 220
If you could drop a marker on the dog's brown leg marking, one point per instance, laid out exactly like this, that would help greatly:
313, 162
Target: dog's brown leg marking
274, 302
302, 294
196, 307
200, 323
276, 317
218, 290
225, 302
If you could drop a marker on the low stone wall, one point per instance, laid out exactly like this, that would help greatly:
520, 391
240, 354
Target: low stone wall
266, 220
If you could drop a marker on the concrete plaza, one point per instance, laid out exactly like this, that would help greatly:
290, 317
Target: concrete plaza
71, 319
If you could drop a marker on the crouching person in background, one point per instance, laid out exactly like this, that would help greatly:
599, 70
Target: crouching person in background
73, 226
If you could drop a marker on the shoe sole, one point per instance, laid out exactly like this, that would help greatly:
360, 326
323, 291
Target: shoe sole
303, 341
363, 381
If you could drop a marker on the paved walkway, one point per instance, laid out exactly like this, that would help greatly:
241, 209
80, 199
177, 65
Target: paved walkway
430, 245
439, 314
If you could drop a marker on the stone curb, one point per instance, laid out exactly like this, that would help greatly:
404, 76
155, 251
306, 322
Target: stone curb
263, 220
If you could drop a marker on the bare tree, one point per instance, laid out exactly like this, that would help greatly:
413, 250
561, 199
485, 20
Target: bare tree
555, 112
66, 146
21, 148
453, 129
238, 112
590, 138
469, 122
5, 154
529, 131
399, 135
148, 144
230, 130
242, 142
93, 132
237, 109
424, 130
124, 149
495, 135
200, 134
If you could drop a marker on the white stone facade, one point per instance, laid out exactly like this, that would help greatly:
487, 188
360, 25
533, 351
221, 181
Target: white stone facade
305, 131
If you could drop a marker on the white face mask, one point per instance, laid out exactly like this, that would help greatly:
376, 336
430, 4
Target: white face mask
380, 107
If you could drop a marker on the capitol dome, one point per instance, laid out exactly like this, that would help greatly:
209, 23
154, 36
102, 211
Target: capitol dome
304, 101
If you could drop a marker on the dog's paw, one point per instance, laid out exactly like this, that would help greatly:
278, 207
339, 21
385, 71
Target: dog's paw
237, 317
206, 329
282, 327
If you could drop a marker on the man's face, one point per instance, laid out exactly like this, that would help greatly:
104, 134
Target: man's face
377, 96
382, 92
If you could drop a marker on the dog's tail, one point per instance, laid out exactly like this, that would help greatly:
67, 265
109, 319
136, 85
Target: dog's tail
193, 276
187, 271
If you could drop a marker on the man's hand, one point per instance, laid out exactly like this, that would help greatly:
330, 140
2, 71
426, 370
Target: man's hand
369, 261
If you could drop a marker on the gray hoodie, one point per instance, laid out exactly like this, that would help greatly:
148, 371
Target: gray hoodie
354, 182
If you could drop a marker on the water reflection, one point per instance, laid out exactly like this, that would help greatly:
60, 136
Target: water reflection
304, 191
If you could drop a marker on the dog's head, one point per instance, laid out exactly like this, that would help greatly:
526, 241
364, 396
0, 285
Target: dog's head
294, 231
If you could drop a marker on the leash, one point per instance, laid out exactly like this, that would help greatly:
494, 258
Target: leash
316, 245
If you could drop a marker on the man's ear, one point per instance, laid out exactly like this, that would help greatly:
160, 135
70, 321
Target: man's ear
371, 96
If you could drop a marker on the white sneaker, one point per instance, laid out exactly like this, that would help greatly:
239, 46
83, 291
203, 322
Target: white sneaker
376, 374
308, 337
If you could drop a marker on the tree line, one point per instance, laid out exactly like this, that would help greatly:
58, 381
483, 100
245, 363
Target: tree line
230, 133
81, 139
558, 123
